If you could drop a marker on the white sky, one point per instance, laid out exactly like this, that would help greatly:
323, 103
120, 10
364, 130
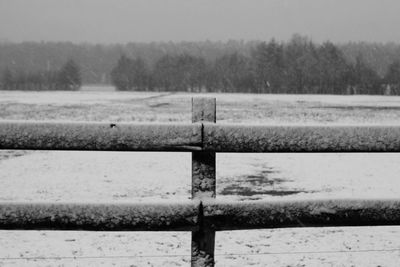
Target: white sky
111, 21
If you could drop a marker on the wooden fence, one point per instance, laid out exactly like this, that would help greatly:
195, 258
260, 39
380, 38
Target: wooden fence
203, 215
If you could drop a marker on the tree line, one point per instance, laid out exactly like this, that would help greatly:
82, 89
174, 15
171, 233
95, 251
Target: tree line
68, 77
296, 67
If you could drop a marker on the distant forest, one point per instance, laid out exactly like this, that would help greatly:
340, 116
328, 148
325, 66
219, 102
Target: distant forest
295, 66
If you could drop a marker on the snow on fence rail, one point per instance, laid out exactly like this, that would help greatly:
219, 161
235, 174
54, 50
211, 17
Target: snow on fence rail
99, 136
185, 216
197, 137
203, 215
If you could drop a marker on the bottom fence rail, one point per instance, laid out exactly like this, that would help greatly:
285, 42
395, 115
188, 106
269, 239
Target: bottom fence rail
185, 216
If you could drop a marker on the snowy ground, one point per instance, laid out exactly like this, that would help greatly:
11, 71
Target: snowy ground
121, 177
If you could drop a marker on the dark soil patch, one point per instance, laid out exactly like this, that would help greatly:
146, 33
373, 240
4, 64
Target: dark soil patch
262, 183
8, 154
246, 191
262, 179
159, 105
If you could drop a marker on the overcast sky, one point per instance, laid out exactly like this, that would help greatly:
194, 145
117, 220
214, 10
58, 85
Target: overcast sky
113, 21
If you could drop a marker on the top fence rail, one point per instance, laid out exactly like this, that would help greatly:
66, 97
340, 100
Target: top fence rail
199, 136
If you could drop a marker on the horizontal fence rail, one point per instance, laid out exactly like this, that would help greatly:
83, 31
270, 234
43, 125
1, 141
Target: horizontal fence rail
300, 213
100, 136
261, 138
185, 216
110, 217
197, 136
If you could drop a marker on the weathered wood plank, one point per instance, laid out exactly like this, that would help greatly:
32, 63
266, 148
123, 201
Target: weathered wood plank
203, 163
100, 136
204, 109
203, 185
186, 216
99, 217
188, 137
261, 138
280, 214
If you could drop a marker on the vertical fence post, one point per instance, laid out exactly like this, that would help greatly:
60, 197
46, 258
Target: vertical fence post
203, 185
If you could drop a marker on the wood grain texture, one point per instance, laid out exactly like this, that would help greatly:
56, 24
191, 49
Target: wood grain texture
317, 138
100, 136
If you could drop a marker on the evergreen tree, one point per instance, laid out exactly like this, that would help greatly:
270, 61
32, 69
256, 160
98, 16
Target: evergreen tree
367, 80
7, 80
333, 67
300, 55
69, 76
392, 79
130, 74
165, 72
234, 73
268, 67
120, 75
393, 74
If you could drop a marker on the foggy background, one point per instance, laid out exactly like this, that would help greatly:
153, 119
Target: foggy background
106, 21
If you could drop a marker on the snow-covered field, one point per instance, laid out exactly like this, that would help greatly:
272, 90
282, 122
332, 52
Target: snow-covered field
121, 177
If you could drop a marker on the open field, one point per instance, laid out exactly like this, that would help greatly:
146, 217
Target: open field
164, 107
149, 176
